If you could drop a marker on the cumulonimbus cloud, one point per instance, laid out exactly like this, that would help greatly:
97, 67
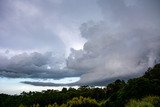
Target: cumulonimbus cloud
122, 45
125, 42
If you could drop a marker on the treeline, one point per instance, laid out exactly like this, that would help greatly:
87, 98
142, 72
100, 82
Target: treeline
138, 92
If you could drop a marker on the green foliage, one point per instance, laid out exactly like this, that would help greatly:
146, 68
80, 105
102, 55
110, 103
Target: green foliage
115, 87
135, 103
136, 88
36, 105
54, 105
153, 73
21, 105
64, 90
149, 101
78, 102
153, 100
82, 102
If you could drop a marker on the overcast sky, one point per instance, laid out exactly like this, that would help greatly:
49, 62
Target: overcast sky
91, 41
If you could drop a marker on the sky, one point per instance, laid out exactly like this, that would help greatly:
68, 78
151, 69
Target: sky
56, 43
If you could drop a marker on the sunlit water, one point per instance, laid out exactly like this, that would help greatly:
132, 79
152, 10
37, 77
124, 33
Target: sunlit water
14, 85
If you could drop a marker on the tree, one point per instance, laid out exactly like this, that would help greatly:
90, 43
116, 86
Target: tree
82, 102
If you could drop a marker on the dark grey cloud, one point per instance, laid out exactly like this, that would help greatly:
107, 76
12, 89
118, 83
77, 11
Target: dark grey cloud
35, 65
29, 29
124, 43
41, 83
102, 82
121, 42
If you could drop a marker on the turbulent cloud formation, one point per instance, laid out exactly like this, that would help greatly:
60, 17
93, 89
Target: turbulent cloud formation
43, 25
36, 36
35, 65
124, 43
120, 37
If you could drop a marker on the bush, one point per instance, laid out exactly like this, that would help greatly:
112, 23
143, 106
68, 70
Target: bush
135, 103
153, 100
82, 102
149, 101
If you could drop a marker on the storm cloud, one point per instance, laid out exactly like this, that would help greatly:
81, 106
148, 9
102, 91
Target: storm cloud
43, 25
36, 36
34, 65
96, 40
125, 43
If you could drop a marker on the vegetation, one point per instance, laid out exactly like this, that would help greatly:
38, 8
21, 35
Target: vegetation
135, 103
149, 101
138, 92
